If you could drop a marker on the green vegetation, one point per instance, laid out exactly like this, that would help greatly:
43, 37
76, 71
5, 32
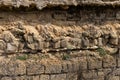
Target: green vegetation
65, 57
101, 51
22, 57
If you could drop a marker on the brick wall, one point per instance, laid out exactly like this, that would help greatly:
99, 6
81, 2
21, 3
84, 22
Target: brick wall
90, 35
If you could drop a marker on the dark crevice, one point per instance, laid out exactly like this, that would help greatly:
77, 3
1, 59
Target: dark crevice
69, 8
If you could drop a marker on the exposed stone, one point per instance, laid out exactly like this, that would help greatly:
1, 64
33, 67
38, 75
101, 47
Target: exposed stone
35, 68
58, 77
76, 31
53, 68
89, 74
94, 63
85, 42
2, 45
12, 68
6, 78
110, 50
11, 47
72, 76
8, 37
114, 78
109, 61
44, 77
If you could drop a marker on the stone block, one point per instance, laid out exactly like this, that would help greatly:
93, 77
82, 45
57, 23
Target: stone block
114, 78
94, 63
44, 77
6, 78
85, 42
53, 68
25, 77
76, 66
109, 61
116, 72
71, 76
107, 71
64, 67
35, 68
90, 74
12, 68
82, 63
36, 77
58, 77
57, 44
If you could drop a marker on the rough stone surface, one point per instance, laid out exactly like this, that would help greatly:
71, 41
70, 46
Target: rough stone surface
40, 4
72, 43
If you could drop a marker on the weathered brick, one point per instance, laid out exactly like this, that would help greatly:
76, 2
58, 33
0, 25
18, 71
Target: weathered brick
25, 77
53, 68
76, 66
64, 67
82, 63
58, 77
72, 76
44, 77
90, 74
107, 71
36, 77
35, 68
116, 72
12, 68
109, 61
94, 63
6, 78
70, 67
114, 78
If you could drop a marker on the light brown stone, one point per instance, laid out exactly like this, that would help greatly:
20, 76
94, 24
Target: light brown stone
35, 68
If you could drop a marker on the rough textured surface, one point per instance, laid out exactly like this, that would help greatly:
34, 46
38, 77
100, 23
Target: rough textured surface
59, 30
82, 65
40, 4
80, 43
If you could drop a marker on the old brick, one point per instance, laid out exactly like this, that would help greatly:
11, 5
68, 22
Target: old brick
53, 68
36, 77
114, 78
12, 68
82, 63
107, 71
58, 77
35, 68
85, 42
116, 72
25, 77
57, 44
70, 67
109, 61
44, 77
72, 76
91, 74
6, 78
76, 66
94, 63
64, 67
